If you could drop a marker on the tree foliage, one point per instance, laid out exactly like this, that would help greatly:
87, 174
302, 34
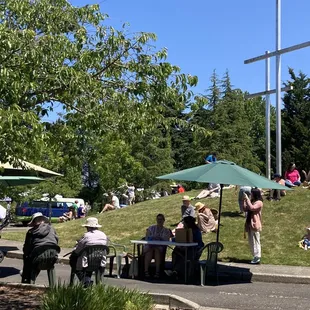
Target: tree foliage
296, 121
128, 114
106, 79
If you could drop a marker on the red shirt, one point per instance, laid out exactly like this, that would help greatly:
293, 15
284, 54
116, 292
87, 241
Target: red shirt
181, 189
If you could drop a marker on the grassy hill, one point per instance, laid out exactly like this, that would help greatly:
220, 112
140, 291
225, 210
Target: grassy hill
284, 224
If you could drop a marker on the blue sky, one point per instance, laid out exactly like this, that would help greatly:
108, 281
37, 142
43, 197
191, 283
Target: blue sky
202, 35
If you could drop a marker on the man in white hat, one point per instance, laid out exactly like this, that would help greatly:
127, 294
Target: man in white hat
41, 234
187, 209
93, 236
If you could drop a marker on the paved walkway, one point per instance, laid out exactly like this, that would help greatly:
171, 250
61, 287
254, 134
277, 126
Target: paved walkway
236, 271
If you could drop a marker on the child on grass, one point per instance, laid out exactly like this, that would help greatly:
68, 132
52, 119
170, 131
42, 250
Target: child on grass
305, 242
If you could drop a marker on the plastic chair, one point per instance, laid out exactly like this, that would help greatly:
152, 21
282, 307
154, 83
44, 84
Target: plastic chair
119, 257
45, 259
94, 254
210, 263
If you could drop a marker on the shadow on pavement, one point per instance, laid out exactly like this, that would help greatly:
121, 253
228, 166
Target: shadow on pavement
8, 248
7, 272
227, 275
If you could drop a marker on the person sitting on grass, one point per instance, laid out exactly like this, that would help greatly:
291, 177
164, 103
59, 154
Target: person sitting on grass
186, 210
41, 234
206, 221
156, 232
211, 158
93, 236
276, 194
292, 176
67, 216
113, 205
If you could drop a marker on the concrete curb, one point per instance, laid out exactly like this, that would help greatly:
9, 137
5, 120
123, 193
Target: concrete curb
173, 301
277, 278
24, 286
19, 255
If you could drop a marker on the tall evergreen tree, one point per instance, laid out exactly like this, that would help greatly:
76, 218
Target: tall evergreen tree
226, 84
214, 92
231, 137
296, 121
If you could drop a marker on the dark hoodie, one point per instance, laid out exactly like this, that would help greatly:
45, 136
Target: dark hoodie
38, 236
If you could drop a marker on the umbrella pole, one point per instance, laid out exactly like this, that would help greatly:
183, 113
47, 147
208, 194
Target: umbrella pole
219, 217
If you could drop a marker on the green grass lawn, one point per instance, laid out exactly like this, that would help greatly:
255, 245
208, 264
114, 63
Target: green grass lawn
284, 224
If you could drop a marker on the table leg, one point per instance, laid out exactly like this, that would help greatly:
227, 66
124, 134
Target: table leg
185, 276
133, 263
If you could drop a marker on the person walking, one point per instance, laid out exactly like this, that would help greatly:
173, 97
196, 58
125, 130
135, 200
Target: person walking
253, 224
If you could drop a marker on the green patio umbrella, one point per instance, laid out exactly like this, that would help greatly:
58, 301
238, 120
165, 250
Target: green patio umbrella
223, 172
18, 180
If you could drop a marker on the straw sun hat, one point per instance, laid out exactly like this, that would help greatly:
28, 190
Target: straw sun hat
92, 222
199, 205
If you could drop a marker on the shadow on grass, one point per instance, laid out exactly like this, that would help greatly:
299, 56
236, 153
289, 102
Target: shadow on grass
232, 214
235, 260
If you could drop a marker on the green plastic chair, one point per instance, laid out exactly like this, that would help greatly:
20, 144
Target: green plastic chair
94, 254
210, 264
45, 259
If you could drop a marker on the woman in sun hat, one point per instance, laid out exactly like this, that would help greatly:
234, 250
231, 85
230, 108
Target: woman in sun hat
41, 234
206, 221
93, 236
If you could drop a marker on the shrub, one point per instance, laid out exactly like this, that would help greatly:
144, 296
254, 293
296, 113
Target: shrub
100, 297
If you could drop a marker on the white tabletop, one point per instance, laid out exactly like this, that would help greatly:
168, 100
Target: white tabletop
158, 242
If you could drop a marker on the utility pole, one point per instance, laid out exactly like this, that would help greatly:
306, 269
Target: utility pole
278, 87
267, 119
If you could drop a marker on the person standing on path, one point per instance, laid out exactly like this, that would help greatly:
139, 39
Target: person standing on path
253, 224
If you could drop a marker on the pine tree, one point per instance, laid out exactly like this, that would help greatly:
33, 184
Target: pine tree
214, 95
296, 121
226, 84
